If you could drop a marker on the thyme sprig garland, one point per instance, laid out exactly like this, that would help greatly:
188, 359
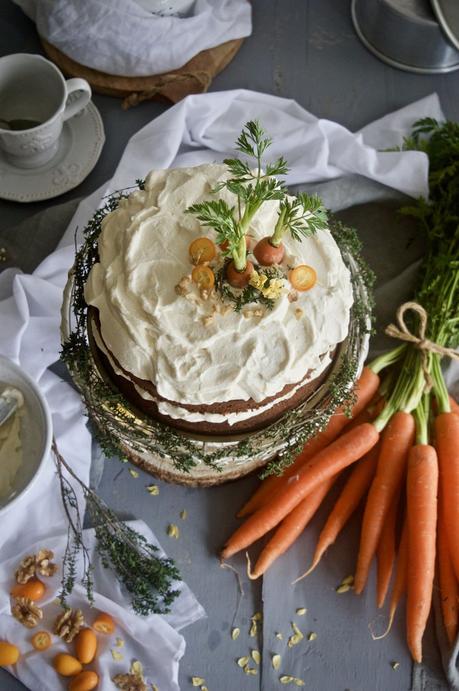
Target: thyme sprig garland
147, 576
122, 430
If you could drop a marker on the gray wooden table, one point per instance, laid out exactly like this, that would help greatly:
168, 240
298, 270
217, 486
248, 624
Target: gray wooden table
308, 51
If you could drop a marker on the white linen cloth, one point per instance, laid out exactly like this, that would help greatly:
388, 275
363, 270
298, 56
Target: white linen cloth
153, 640
120, 37
199, 129
204, 128
30, 336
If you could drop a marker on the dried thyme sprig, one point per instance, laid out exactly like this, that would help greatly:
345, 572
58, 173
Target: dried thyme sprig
136, 562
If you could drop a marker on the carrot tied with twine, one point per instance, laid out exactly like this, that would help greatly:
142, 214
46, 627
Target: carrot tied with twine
402, 333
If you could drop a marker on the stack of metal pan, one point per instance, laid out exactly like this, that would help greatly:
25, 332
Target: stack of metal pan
415, 35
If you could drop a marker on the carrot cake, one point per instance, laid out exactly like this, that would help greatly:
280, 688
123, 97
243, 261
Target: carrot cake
182, 340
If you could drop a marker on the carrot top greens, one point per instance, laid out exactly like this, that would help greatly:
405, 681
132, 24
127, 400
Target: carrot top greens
438, 289
253, 187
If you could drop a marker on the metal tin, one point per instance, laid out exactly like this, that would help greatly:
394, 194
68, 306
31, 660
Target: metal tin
447, 14
404, 34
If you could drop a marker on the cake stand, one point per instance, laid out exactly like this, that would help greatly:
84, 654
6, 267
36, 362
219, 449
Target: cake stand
196, 460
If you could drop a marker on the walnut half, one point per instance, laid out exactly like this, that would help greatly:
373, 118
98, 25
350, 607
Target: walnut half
129, 682
26, 569
26, 611
68, 624
36, 564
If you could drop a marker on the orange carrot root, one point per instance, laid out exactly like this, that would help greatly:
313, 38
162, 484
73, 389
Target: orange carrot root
447, 446
422, 488
351, 495
348, 449
396, 441
399, 587
386, 552
291, 528
449, 589
365, 390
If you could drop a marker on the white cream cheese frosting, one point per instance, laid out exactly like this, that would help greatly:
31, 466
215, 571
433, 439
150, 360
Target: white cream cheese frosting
176, 412
159, 336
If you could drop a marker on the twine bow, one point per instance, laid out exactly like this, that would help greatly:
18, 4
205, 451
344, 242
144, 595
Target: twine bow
420, 341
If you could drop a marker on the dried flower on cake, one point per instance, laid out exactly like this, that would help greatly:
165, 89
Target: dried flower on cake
257, 280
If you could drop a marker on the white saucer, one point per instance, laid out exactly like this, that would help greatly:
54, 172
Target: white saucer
79, 149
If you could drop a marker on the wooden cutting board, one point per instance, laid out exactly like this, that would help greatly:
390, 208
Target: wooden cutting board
193, 78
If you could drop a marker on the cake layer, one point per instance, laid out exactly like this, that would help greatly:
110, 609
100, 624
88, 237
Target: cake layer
231, 417
189, 352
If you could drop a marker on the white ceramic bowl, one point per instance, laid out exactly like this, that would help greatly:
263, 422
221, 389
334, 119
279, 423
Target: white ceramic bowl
36, 431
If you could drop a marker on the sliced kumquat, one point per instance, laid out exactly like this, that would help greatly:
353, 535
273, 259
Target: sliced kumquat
104, 623
203, 277
202, 250
41, 640
302, 277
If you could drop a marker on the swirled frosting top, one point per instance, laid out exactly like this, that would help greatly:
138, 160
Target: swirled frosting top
163, 337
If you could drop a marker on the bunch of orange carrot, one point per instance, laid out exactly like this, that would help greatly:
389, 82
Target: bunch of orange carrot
400, 456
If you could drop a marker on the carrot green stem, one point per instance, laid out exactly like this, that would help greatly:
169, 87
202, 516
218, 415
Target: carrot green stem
240, 254
280, 227
440, 390
387, 359
407, 391
421, 415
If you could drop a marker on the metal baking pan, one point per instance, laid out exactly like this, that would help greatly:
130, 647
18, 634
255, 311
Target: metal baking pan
405, 34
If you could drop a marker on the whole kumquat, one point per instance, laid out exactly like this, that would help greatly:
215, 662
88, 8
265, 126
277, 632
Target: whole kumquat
67, 665
86, 646
9, 654
33, 589
85, 681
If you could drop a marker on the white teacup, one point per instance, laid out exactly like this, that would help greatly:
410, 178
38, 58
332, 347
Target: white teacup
35, 100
